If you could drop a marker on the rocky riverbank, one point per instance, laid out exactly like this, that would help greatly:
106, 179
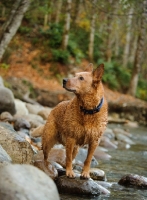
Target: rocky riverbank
21, 126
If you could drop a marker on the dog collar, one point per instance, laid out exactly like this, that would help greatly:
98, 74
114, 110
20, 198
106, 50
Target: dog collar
92, 111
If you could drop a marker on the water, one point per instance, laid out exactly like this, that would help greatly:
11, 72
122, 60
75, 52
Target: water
123, 161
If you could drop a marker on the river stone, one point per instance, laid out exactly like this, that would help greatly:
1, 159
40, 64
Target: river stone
97, 174
124, 138
7, 101
50, 170
6, 117
81, 156
105, 142
20, 108
17, 147
134, 180
34, 109
21, 123
101, 155
77, 186
34, 120
21, 182
45, 113
37, 132
4, 157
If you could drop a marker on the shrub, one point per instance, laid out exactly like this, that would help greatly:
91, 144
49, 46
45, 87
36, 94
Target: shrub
60, 55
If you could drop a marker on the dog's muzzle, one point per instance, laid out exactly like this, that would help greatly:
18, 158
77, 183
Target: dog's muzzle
64, 82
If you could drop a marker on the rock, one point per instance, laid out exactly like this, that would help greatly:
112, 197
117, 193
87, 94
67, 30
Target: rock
7, 100
37, 132
55, 155
100, 155
21, 123
81, 156
6, 117
34, 109
17, 147
50, 170
20, 108
1, 82
120, 130
21, 182
109, 133
134, 180
45, 113
105, 142
34, 120
124, 138
4, 157
104, 184
132, 124
97, 174
77, 186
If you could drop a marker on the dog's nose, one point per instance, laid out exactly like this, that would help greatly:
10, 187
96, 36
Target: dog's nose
64, 81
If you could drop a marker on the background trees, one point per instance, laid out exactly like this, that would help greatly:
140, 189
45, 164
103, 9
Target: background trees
108, 31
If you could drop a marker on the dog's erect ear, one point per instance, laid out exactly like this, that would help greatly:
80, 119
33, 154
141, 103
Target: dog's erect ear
89, 68
98, 72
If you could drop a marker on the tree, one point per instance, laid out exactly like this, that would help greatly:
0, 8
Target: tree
67, 26
139, 51
58, 11
92, 30
12, 24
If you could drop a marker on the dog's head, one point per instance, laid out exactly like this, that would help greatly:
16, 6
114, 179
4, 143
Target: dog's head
84, 82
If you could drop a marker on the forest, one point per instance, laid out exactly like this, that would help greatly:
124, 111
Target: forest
68, 32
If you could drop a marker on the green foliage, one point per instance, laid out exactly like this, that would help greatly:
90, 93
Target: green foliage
24, 30
75, 51
53, 35
4, 66
142, 89
60, 55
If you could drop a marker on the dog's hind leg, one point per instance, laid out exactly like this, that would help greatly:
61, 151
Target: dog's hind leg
70, 152
49, 138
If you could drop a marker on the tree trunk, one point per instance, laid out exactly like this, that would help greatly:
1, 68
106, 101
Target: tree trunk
92, 31
128, 39
12, 24
78, 11
139, 52
67, 26
58, 11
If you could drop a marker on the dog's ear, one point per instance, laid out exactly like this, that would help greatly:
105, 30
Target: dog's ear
97, 74
89, 68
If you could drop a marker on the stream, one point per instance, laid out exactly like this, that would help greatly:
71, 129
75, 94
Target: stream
123, 161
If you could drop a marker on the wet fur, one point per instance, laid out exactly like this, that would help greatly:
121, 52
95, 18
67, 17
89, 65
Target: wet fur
69, 126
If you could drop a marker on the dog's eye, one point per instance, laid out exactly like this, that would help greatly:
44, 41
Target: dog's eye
81, 78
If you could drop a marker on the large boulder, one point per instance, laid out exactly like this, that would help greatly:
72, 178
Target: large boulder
17, 147
6, 100
21, 182
4, 157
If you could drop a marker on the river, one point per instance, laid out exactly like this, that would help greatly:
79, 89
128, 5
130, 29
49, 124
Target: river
123, 161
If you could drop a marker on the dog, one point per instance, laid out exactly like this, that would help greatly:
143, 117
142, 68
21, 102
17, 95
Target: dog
79, 121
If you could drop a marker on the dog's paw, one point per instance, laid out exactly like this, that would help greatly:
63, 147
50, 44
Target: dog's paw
70, 174
85, 175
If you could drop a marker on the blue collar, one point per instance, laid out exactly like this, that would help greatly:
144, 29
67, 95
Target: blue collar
92, 111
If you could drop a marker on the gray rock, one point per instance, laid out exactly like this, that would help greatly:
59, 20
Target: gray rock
34, 120
34, 108
21, 108
107, 143
4, 157
1, 82
134, 180
77, 186
7, 101
81, 156
21, 182
97, 174
17, 147
21, 123
6, 117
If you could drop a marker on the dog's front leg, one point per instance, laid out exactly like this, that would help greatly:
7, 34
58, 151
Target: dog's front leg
70, 144
86, 168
